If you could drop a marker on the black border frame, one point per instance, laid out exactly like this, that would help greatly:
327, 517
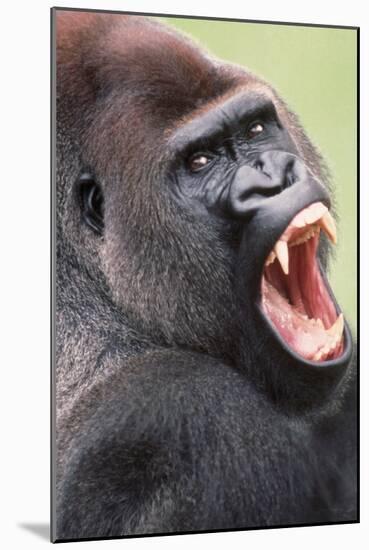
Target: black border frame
53, 235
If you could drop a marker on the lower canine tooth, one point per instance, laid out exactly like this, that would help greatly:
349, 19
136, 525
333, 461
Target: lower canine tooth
335, 334
270, 258
281, 251
337, 327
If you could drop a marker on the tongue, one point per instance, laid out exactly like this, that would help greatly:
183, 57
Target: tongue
307, 337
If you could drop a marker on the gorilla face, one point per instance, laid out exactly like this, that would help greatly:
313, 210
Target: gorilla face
237, 162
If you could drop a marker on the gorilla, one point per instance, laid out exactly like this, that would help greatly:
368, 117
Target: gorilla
204, 374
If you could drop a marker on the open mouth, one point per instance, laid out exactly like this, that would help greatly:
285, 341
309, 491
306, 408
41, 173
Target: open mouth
294, 295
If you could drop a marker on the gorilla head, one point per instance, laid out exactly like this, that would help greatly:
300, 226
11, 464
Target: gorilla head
184, 156
193, 211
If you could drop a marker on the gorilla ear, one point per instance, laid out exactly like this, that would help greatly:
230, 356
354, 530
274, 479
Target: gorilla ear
91, 200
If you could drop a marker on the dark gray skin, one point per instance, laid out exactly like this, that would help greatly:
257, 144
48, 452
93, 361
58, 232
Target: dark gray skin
178, 408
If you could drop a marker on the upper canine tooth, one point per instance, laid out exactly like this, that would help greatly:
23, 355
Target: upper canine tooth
281, 251
327, 223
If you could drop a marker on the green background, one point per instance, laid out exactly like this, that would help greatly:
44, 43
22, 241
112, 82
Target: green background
314, 70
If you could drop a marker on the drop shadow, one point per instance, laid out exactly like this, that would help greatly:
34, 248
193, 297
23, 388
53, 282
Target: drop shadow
42, 530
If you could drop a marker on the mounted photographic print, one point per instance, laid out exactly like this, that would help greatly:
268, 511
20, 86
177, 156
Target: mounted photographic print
204, 267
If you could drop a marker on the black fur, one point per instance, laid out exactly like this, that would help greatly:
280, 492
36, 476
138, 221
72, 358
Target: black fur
176, 409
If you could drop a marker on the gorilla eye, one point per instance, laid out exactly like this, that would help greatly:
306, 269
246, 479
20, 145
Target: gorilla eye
198, 161
254, 129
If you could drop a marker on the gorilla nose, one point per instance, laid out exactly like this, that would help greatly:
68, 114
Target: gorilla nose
273, 172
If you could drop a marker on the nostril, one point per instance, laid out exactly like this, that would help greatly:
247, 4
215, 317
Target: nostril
259, 165
290, 180
267, 176
290, 176
283, 169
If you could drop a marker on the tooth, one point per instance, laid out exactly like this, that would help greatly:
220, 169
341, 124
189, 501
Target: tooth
307, 235
313, 230
299, 220
334, 343
304, 238
325, 355
337, 327
281, 251
330, 346
334, 334
327, 223
300, 240
309, 215
314, 212
270, 259
322, 354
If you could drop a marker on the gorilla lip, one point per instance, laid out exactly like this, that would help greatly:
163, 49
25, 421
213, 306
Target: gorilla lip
294, 295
